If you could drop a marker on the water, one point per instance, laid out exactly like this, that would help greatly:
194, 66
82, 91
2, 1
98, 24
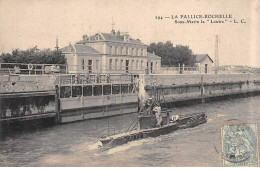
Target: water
75, 144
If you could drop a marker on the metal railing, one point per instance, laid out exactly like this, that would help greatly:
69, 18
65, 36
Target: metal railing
181, 70
34, 69
23, 68
94, 78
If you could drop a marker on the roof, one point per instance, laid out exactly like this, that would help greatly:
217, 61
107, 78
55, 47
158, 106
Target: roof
201, 57
79, 48
110, 37
117, 37
85, 49
152, 55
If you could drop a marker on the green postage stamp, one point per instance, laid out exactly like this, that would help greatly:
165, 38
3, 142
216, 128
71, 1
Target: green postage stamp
240, 145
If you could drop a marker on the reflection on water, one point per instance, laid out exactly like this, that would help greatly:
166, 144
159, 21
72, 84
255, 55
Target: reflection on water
75, 144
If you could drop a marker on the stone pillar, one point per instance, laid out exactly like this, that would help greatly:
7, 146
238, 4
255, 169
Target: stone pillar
104, 63
57, 105
179, 65
202, 90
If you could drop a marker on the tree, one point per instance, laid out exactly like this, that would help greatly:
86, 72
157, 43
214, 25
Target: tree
172, 56
34, 56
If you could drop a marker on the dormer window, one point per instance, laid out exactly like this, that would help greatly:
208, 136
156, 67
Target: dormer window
142, 51
97, 37
115, 50
132, 53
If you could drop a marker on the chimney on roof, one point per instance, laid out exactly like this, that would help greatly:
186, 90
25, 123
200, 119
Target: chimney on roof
85, 37
69, 47
118, 33
57, 46
126, 37
113, 32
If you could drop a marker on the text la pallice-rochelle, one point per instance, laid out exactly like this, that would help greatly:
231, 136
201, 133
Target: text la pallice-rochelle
201, 16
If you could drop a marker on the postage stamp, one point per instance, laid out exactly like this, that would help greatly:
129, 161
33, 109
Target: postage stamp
240, 145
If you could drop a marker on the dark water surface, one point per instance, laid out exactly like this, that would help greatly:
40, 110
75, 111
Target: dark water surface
75, 144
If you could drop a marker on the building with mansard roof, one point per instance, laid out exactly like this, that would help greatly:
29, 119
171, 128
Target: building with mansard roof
116, 53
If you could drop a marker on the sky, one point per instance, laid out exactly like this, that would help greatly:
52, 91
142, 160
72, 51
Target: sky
27, 23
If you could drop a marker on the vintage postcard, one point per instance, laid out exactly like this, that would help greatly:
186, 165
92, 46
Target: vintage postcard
129, 83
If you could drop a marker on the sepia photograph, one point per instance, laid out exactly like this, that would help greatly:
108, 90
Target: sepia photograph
129, 83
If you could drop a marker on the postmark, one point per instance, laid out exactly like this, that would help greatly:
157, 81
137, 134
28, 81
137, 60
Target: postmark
240, 145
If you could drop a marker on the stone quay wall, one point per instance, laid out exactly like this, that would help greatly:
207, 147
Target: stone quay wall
26, 95
176, 88
157, 80
26, 83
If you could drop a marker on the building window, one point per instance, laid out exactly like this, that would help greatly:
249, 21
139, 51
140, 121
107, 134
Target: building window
142, 51
142, 63
151, 67
97, 63
132, 53
121, 64
110, 64
110, 50
121, 51
83, 64
116, 64
136, 66
115, 50
132, 65
126, 52
90, 66
136, 52
155, 66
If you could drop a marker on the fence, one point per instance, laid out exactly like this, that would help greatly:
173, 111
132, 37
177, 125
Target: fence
95, 85
184, 70
22, 68
94, 78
